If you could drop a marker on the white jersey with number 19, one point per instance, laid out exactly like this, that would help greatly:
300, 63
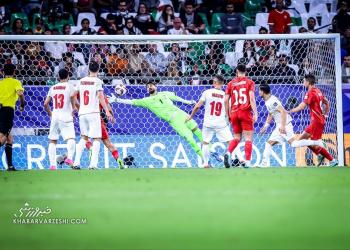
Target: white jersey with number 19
214, 114
88, 88
62, 108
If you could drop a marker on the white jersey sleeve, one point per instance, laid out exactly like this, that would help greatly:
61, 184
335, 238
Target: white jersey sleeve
61, 96
88, 93
214, 114
272, 105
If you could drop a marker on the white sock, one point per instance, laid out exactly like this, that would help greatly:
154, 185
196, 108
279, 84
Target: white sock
70, 148
267, 152
304, 143
80, 149
206, 153
52, 154
95, 154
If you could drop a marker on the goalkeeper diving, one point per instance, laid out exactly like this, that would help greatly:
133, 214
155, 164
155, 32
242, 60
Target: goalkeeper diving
161, 104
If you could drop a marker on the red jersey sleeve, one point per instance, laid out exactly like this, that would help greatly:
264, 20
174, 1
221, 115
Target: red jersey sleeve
251, 86
229, 89
307, 98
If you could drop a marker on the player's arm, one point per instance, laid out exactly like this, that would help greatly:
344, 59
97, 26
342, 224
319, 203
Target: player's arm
283, 118
195, 109
300, 107
227, 105
267, 124
326, 105
101, 97
20, 94
47, 105
176, 98
253, 104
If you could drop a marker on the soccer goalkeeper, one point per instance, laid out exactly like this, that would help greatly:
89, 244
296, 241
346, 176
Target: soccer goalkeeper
161, 104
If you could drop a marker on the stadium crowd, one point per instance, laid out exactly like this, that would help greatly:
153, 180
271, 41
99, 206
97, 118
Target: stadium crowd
181, 63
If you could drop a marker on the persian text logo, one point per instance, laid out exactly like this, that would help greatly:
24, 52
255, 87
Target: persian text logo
35, 215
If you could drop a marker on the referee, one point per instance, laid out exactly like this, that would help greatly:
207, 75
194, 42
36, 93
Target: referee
10, 90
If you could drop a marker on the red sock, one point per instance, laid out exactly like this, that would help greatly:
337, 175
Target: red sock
88, 145
326, 154
233, 144
115, 154
248, 148
314, 149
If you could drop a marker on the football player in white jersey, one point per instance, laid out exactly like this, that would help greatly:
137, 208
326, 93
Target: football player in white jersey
61, 115
215, 121
90, 96
284, 128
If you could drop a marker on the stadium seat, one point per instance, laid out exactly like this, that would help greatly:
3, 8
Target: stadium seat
88, 15
74, 29
216, 22
252, 30
252, 7
206, 23
296, 21
247, 20
299, 6
22, 16
261, 19
320, 9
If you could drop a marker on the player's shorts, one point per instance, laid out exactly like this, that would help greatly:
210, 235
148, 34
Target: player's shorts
65, 129
242, 120
6, 120
280, 138
315, 129
104, 130
223, 134
89, 125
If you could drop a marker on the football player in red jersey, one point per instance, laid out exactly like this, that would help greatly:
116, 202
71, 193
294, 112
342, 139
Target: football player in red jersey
316, 102
240, 91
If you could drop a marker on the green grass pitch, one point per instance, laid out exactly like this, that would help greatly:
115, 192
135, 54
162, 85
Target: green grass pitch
277, 208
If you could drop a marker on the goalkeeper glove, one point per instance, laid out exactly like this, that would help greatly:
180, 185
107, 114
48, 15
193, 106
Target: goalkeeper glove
112, 98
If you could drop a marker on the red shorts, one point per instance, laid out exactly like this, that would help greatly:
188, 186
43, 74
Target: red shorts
315, 129
242, 120
104, 130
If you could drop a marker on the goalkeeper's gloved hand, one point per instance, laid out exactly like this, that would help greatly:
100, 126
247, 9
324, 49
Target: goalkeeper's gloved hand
112, 98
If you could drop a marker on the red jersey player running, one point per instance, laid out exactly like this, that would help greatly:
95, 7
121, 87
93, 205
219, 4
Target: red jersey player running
316, 101
241, 93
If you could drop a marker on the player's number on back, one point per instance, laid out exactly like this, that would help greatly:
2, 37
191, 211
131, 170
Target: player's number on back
59, 101
86, 97
240, 96
216, 108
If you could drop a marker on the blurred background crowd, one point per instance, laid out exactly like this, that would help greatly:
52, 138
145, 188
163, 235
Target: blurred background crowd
174, 63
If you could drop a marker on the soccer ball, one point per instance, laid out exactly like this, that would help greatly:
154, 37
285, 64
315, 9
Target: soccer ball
120, 89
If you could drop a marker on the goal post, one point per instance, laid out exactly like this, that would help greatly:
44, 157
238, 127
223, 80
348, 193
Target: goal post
189, 60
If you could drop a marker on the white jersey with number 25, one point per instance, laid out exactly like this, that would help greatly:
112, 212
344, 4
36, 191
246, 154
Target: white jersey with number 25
214, 114
88, 88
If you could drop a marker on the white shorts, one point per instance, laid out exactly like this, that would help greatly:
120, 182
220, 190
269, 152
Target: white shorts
223, 134
90, 125
280, 138
65, 129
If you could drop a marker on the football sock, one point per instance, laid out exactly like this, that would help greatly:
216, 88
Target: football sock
70, 148
95, 153
248, 148
267, 152
115, 154
8, 152
198, 134
52, 154
233, 144
206, 153
326, 154
303, 143
88, 145
79, 152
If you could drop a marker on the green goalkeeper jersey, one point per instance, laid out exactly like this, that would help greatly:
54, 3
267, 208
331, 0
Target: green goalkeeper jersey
160, 104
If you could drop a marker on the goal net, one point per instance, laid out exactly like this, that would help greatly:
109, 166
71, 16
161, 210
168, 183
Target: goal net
184, 65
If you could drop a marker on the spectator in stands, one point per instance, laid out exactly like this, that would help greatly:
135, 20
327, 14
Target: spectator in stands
110, 26
166, 20
138, 65
130, 28
122, 13
262, 46
342, 20
271, 57
282, 69
69, 64
144, 21
83, 6
66, 29
175, 56
101, 60
192, 21
152, 4
279, 20
345, 41
260, 69
231, 22
249, 54
299, 48
55, 49
85, 28
311, 24
156, 59
105, 6
28, 32
17, 27
117, 63
346, 70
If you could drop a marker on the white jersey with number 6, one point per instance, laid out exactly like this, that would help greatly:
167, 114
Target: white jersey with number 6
214, 114
62, 108
88, 88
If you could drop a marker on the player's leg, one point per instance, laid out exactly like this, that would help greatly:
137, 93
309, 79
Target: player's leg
8, 151
52, 154
247, 122
68, 134
6, 123
84, 128
224, 135
304, 139
94, 132
208, 134
275, 138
